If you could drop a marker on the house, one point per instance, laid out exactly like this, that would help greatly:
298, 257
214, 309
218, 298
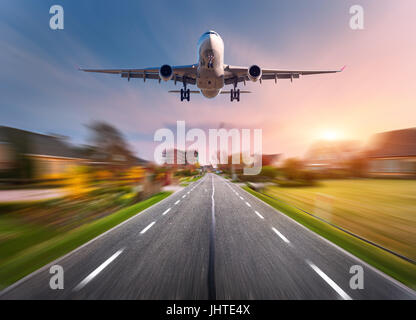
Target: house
6, 156
271, 159
32, 155
331, 155
392, 153
178, 159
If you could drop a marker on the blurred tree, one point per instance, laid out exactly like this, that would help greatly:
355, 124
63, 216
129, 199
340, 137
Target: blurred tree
269, 172
292, 168
357, 166
108, 144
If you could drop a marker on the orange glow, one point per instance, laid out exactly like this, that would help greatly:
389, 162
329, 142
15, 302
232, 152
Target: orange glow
330, 135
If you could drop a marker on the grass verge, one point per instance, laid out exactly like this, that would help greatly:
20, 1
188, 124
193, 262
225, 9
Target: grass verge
39, 255
395, 267
184, 182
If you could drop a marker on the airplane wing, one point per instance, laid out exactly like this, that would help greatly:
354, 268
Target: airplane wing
180, 73
234, 74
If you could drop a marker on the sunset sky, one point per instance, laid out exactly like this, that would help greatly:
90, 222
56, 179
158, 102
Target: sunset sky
41, 89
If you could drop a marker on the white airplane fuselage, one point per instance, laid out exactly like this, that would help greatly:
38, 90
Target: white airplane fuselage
210, 73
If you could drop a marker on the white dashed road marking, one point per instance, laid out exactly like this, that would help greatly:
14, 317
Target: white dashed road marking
328, 280
260, 216
248, 205
148, 227
177, 201
93, 274
281, 235
166, 211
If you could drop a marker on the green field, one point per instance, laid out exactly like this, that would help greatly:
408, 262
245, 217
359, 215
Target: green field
25, 247
383, 211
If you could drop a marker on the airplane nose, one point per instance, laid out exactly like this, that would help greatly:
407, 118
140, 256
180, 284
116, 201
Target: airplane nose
211, 40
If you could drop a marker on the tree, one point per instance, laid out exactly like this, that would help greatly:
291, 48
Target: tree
109, 143
292, 168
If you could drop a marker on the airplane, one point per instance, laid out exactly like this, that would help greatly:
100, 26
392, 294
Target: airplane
210, 74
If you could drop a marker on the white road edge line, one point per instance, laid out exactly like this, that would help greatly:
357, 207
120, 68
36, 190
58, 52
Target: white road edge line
260, 216
328, 280
93, 274
148, 227
280, 235
177, 201
166, 211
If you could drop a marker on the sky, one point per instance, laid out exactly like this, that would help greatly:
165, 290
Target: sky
42, 90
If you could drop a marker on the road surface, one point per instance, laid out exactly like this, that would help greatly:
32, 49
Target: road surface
211, 240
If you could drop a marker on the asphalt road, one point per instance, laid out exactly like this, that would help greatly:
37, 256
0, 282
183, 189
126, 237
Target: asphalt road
211, 240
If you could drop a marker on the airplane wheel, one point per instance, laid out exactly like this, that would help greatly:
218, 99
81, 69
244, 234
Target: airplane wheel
182, 95
232, 95
188, 94
238, 95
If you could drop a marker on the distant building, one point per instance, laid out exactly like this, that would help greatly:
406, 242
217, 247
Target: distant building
271, 159
30, 155
6, 156
48, 155
177, 158
392, 153
324, 155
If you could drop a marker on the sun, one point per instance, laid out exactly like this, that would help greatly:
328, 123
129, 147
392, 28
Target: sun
330, 135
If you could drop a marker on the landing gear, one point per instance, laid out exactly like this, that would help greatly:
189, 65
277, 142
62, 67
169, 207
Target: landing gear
235, 94
185, 94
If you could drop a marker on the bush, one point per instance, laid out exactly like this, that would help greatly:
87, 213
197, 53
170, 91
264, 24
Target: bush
269, 172
291, 168
185, 173
126, 199
307, 176
254, 178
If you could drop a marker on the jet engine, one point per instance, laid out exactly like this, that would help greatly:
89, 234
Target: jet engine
254, 73
166, 72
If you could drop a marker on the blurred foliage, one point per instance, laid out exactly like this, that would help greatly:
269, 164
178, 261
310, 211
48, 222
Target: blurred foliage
78, 179
186, 173
269, 172
291, 168
135, 173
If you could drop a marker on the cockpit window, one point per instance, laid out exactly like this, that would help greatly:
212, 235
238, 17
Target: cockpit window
210, 32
